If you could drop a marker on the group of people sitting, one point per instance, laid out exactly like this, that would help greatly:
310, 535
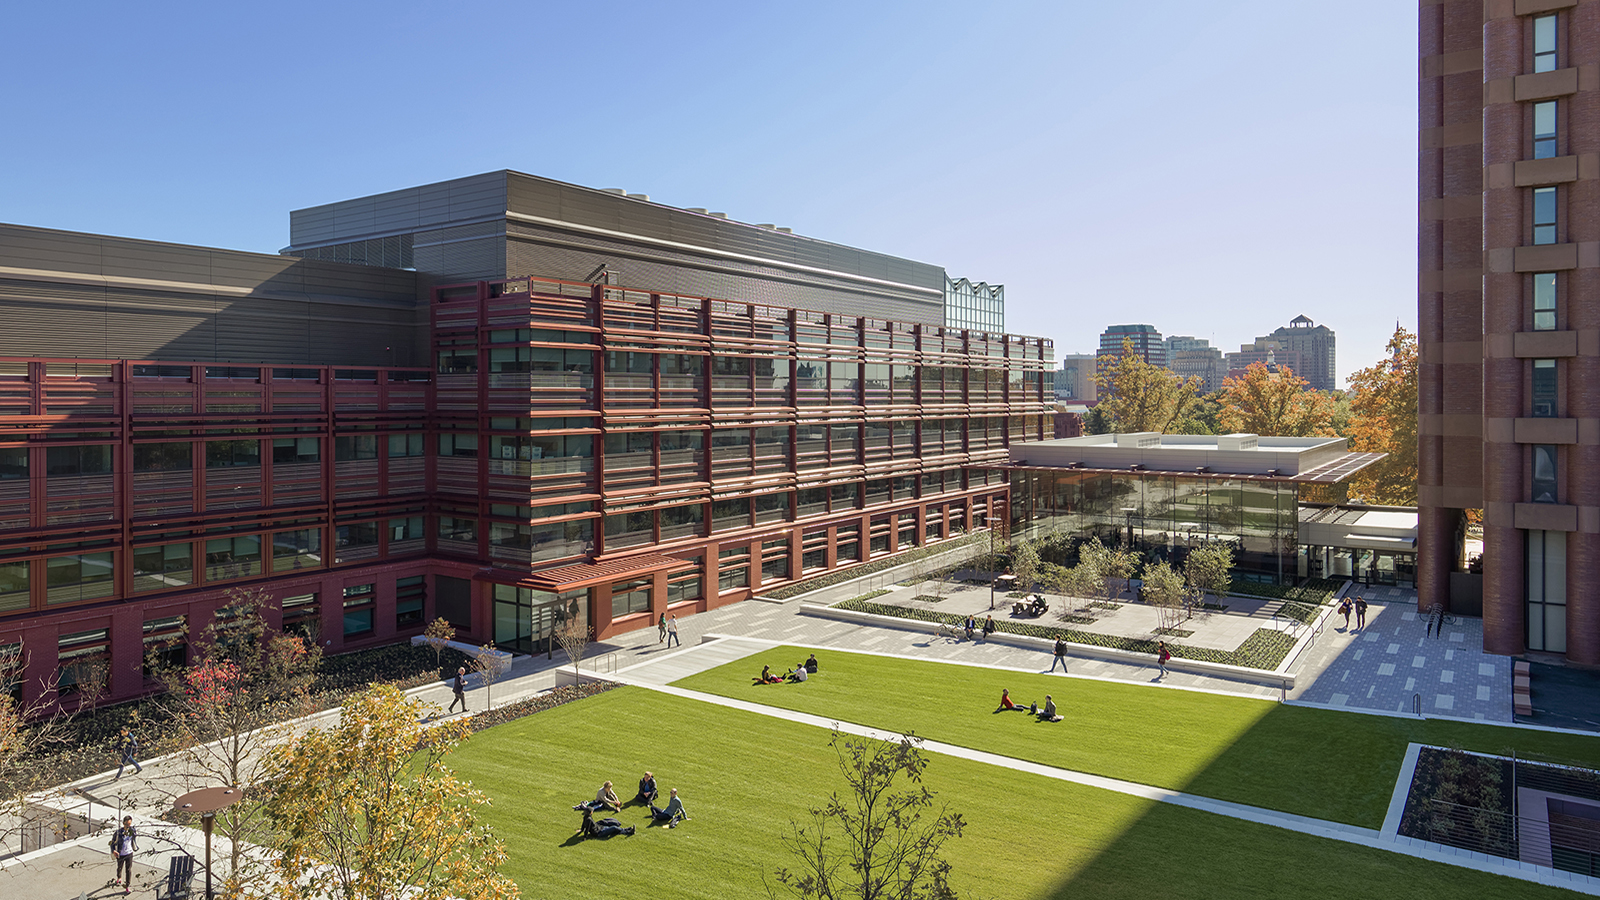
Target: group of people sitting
606, 799
1048, 714
799, 674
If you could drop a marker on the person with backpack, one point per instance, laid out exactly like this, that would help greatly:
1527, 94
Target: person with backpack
125, 843
1061, 655
129, 747
1162, 655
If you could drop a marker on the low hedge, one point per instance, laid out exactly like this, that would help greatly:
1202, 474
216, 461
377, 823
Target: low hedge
1263, 649
1302, 612
548, 700
1316, 592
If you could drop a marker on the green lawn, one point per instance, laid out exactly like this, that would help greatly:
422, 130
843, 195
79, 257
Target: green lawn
1320, 763
744, 776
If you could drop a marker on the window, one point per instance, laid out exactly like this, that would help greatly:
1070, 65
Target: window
408, 528
1545, 569
726, 514
164, 647
233, 557
13, 585
462, 361
164, 567
1544, 301
358, 609
630, 528
1545, 482
462, 445
1544, 44
91, 460
409, 596
355, 446
774, 560
1544, 129
302, 615
733, 568
293, 550
166, 457
1544, 388
630, 597
349, 541
289, 451
1544, 215
685, 586
82, 576
454, 528
222, 454
404, 445
682, 521
82, 660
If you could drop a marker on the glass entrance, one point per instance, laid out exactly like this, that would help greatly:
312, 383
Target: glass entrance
525, 619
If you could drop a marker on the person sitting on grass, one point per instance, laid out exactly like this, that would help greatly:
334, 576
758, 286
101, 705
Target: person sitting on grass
1005, 701
606, 798
799, 674
604, 828
671, 813
767, 677
1048, 714
647, 788
811, 664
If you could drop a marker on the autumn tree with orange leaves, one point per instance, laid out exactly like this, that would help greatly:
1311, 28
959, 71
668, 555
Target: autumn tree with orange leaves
1383, 419
1274, 403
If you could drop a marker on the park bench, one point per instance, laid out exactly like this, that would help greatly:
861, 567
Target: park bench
180, 877
1522, 689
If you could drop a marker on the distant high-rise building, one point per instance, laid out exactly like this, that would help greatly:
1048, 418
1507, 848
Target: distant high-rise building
1178, 343
1313, 344
1146, 343
1204, 363
1262, 350
1075, 381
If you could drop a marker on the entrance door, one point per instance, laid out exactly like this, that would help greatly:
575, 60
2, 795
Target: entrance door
525, 619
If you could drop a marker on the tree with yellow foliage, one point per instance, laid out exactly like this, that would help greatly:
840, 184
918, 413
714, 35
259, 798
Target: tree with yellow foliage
1274, 403
368, 810
1383, 419
1141, 396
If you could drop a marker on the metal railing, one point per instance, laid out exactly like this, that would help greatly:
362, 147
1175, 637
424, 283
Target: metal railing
1569, 843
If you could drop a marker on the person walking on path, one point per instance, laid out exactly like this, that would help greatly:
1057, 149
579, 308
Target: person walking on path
129, 747
661, 626
672, 632
1061, 655
460, 687
1361, 612
1162, 655
988, 627
124, 843
1344, 610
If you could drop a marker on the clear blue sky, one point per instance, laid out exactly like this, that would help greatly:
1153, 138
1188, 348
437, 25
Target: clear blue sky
1209, 168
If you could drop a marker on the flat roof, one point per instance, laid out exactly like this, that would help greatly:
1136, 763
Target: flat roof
1323, 460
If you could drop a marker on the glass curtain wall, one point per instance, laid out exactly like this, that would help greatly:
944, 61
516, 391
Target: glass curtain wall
1163, 515
525, 619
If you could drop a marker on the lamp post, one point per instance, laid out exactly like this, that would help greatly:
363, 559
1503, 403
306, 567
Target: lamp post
207, 802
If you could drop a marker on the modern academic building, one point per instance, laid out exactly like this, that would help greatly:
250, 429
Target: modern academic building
1164, 494
394, 420
1508, 323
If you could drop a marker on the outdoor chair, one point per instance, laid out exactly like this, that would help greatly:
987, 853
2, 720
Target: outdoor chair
180, 876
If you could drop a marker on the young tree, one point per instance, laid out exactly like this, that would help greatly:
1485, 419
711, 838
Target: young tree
490, 664
1164, 590
438, 634
369, 810
876, 842
243, 681
1276, 404
1383, 419
1139, 396
1209, 570
572, 633
31, 734
1025, 565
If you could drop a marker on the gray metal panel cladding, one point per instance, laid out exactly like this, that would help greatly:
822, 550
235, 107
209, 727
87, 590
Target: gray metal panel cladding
462, 260
406, 209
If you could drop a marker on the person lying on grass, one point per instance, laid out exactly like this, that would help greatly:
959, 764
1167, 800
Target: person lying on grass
671, 813
604, 828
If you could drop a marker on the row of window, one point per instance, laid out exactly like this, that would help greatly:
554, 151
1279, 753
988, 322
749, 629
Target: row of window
96, 459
